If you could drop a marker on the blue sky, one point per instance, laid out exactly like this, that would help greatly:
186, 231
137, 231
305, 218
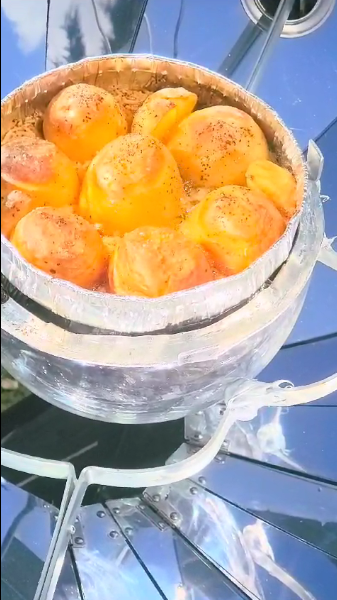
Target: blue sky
16, 64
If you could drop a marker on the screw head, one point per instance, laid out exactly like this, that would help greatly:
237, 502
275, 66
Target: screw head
101, 514
198, 436
116, 510
174, 516
156, 498
194, 491
202, 480
79, 541
128, 531
114, 534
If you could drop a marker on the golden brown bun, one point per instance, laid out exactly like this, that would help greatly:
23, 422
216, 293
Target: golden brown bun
152, 262
39, 171
63, 245
133, 181
82, 119
235, 226
14, 206
274, 182
111, 242
30, 126
194, 195
162, 112
215, 146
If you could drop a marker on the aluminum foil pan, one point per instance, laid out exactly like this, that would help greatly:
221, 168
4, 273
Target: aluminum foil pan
132, 77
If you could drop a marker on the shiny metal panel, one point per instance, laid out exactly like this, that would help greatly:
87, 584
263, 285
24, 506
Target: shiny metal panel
80, 28
67, 586
303, 507
180, 571
177, 28
301, 438
293, 83
107, 566
56, 551
264, 561
315, 321
27, 527
301, 364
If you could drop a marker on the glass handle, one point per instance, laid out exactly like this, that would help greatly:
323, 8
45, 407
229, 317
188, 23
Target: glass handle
327, 255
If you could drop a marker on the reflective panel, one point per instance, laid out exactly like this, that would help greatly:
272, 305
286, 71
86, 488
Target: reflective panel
302, 507
177, 28
299, 439
319, 315
306, 363
79, 28
299, 88
290, 438
106, 565
262, 560
27, 526
67, 588
180, 572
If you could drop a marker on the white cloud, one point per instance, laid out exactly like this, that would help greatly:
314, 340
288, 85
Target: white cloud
29, 21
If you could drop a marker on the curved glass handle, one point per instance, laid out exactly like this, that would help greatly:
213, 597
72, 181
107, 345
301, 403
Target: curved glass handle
33, 465
327, 255
242, 407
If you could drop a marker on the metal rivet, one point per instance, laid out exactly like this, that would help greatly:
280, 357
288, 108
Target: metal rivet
222, 410
194, 491
101, 514
128, 531
174, 516
161, 525
156, 498
72, 529
116, 511
114, 534
198, 435
202, 480
79, 541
